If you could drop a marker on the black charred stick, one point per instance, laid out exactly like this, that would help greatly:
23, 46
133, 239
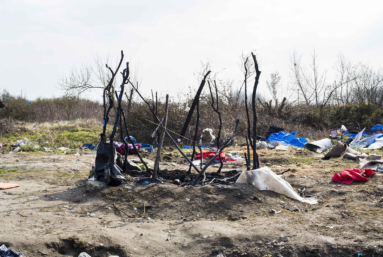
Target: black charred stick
195, 101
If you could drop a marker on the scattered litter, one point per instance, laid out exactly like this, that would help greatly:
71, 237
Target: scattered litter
21, 214
319, 146
274, 211
88, 146
23, 142
282, 147
261, 145
265, 179
211, 134
187, 199
8, 253
63, 148
84, 254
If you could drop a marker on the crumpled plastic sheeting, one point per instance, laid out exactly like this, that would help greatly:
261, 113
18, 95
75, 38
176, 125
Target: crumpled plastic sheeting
378, 144
377, 128
320, 145
211, 134
265, 179
288, 139
362, 143
23, 142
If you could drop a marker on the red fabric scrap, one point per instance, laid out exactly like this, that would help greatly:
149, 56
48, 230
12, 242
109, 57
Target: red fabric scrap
211, 155
348, 176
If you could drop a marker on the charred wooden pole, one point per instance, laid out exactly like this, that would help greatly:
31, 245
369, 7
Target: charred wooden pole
167, 133
248, 163
195, 101
216, 109
125, 78
247, 108
107, 92
131, 141
161, 141
195, 136
257, 75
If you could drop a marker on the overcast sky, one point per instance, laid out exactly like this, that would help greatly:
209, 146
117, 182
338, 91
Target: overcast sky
167, 41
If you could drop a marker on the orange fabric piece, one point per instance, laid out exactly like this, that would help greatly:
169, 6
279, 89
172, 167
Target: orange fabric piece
7, 185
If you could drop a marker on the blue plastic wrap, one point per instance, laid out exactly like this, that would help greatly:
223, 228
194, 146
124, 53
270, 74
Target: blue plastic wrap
288, 139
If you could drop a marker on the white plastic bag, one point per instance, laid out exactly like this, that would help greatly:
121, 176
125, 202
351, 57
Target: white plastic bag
265, 179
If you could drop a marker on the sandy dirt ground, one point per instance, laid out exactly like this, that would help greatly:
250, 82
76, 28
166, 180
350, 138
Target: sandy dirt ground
53, 213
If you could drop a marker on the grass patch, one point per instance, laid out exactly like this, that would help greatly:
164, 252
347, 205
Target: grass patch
4, 172
72, 136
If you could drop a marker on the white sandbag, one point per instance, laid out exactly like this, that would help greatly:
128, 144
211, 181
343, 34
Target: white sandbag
265, 179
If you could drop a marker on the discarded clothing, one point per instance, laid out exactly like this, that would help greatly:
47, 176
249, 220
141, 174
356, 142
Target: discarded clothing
4, 252
348, 176
319, 146
210, 154
122, 148
89, 146
265, 179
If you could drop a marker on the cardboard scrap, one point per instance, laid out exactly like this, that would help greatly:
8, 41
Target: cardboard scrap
7, 186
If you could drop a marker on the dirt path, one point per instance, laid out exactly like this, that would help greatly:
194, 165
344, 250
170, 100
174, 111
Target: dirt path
53, 214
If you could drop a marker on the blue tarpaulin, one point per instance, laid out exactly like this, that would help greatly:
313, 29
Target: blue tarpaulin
147, 147
288, 139
89, 146
377, 128
191, 147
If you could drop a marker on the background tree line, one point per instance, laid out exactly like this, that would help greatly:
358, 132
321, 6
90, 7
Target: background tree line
311, 103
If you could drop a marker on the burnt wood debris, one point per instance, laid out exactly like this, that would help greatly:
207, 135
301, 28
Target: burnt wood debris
110, 164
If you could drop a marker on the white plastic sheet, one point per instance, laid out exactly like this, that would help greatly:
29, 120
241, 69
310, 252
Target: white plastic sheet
265, 179
358, 136
378, 144
211, 134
